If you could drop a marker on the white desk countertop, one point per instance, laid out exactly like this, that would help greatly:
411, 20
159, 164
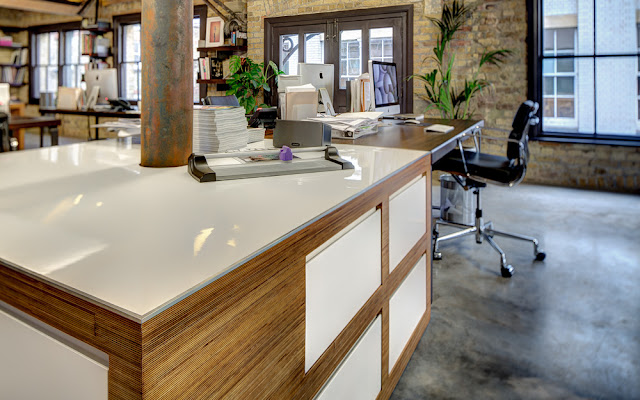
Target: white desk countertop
88, 218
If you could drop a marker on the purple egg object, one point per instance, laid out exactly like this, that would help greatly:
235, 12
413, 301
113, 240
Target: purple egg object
286, 154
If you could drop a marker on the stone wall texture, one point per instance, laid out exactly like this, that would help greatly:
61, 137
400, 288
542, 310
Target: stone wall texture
493, 24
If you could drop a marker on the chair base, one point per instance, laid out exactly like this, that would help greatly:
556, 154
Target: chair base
483, 231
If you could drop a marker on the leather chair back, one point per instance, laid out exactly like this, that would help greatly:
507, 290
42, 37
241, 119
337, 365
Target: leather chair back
524, 119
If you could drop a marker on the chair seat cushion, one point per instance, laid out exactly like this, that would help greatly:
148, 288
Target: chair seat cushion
487, 166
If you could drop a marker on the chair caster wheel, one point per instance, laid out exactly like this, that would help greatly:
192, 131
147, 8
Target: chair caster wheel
437, 255
507, 272
541, 256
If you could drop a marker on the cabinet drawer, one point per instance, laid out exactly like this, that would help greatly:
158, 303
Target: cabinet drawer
340, 277
359, 375
406, 307
34, 365
407, 219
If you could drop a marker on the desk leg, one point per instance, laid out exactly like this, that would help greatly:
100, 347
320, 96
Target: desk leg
53, 131
97, 129
42, 136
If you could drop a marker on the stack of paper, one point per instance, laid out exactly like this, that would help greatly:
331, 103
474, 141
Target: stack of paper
352, 125
218, 129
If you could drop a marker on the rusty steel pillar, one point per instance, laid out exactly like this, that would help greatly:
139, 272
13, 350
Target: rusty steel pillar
167, 82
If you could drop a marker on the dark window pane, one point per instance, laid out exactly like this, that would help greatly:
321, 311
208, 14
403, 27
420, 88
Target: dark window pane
548, 108
548, 66
565, 85
547, 86
565, 38
639, 86
548, 40
566, 108
565, 64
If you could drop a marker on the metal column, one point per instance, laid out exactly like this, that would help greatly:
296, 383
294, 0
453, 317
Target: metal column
167, 82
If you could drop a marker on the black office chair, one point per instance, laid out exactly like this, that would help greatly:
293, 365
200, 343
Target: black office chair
230, 100
7, 142
478, 169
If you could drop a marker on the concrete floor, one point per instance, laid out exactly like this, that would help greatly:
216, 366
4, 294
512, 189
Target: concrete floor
565, 328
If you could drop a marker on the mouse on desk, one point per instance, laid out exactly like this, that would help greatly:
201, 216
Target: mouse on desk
412, 122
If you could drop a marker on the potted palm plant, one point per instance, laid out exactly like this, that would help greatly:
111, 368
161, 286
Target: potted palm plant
248, 79
440, 93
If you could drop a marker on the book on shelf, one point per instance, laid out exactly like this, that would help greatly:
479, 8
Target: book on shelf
13, 75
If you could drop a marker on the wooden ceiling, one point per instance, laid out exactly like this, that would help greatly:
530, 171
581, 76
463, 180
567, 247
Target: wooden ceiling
60, 7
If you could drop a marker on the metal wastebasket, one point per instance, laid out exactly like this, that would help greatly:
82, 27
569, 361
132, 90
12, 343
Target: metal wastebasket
456, 204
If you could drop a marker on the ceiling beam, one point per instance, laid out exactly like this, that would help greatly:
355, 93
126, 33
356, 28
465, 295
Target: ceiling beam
46, 7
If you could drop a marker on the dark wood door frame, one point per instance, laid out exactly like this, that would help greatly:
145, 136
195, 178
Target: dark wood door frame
332, 20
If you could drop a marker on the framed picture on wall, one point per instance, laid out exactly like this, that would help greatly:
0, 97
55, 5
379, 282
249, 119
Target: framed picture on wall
215, 32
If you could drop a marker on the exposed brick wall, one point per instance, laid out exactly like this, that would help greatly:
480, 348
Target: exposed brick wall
494, 24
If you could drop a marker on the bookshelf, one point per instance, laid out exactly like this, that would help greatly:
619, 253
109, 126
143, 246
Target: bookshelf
14, 71
97, 46
216, 63
235, 49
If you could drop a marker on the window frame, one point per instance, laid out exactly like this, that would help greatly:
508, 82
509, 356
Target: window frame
34, 31
119, 21
345, 20
535, 42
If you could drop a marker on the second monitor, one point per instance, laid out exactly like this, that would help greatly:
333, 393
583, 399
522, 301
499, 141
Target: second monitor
319, 75
385, 87
106, 80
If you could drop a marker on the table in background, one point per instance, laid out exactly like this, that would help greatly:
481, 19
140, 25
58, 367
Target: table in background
19, 124
92, 113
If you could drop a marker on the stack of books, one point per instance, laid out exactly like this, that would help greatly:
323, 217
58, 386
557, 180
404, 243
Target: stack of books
217, 129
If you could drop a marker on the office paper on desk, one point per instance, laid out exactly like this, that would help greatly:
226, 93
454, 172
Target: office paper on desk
351, 125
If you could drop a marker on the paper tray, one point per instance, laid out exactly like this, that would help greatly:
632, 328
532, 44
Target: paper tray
201, 171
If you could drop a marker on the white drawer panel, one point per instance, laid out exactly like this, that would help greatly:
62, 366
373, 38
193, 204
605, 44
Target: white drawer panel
34, 365
407, 219
359, 375
406, 306
340, 278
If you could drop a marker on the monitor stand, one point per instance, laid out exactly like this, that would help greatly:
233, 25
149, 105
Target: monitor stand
389, 111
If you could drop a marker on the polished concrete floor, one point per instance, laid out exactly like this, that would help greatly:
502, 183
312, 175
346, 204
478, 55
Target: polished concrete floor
565, 328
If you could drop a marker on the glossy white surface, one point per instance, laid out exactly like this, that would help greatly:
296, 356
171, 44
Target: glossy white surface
407, 219
360, 374
339, 281
88, 218
35, 366
406, 306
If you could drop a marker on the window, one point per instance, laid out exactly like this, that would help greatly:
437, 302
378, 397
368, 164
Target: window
56, 58
585, 70
381, 44
559, 75
130, 69
350, 56
129, 54
346, 39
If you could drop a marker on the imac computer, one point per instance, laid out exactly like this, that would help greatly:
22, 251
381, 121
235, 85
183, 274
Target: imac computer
320, 76
106, 80
385, 87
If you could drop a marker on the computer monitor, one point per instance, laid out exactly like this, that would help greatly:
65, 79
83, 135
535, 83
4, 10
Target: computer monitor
319, 75
106, 80
385, 87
